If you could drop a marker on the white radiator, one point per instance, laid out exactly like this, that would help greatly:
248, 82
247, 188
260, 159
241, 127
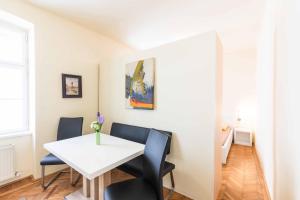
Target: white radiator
7, 162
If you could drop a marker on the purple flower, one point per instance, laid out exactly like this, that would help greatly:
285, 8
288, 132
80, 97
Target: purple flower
100, 118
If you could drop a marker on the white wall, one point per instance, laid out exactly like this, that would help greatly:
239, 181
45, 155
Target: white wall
280, 97
239, 87
218, 112
186, 103
61, 47
287, 100
265, 101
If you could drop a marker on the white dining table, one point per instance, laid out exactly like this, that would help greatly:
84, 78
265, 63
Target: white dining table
93, 161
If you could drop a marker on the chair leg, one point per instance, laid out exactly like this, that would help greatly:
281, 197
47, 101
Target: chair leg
172, 180
43, 176
171, 192
45, 186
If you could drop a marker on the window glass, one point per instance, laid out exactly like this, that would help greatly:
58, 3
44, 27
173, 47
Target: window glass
12, 116
12, 83
12, 48
14, 106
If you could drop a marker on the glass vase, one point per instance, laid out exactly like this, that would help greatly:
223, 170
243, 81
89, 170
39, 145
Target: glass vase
97, 137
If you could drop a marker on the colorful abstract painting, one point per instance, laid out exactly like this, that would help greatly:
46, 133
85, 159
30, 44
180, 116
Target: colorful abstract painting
139, 91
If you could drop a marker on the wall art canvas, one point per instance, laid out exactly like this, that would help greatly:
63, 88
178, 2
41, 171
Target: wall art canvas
139, 91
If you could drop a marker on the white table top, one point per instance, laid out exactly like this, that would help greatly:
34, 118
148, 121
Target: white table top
91, 160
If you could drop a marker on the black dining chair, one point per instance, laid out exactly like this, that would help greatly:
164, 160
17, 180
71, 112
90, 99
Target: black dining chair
150, 186
67, 128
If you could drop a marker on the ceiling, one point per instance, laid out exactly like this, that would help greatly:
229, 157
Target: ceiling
143, 24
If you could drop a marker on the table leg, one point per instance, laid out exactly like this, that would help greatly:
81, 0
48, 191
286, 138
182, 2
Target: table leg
86, 187
98, 186
104, 181
95, 189
71, 175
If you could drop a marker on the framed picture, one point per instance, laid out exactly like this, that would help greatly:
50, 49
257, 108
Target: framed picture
71, 86
139, 84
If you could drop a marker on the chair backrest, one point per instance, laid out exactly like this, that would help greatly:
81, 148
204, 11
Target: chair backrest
69, 127
136, 133
169, 134
154, 159
129, 132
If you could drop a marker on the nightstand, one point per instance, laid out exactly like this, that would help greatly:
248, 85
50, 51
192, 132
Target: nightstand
243, 136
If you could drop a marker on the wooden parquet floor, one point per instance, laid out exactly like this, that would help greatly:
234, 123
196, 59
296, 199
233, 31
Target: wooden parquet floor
242, 180
242, 177
29, 189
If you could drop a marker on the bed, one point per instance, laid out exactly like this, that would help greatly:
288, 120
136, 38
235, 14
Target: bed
227, 138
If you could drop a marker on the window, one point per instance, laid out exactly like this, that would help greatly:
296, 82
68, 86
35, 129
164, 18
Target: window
14, 79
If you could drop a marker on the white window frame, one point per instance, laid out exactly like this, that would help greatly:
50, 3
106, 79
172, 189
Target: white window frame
18, 24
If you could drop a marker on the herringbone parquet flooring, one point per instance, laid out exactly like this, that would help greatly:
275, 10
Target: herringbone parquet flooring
29, 189
242, 180
242, 177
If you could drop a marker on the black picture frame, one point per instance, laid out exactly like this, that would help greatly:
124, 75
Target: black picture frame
71, 86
